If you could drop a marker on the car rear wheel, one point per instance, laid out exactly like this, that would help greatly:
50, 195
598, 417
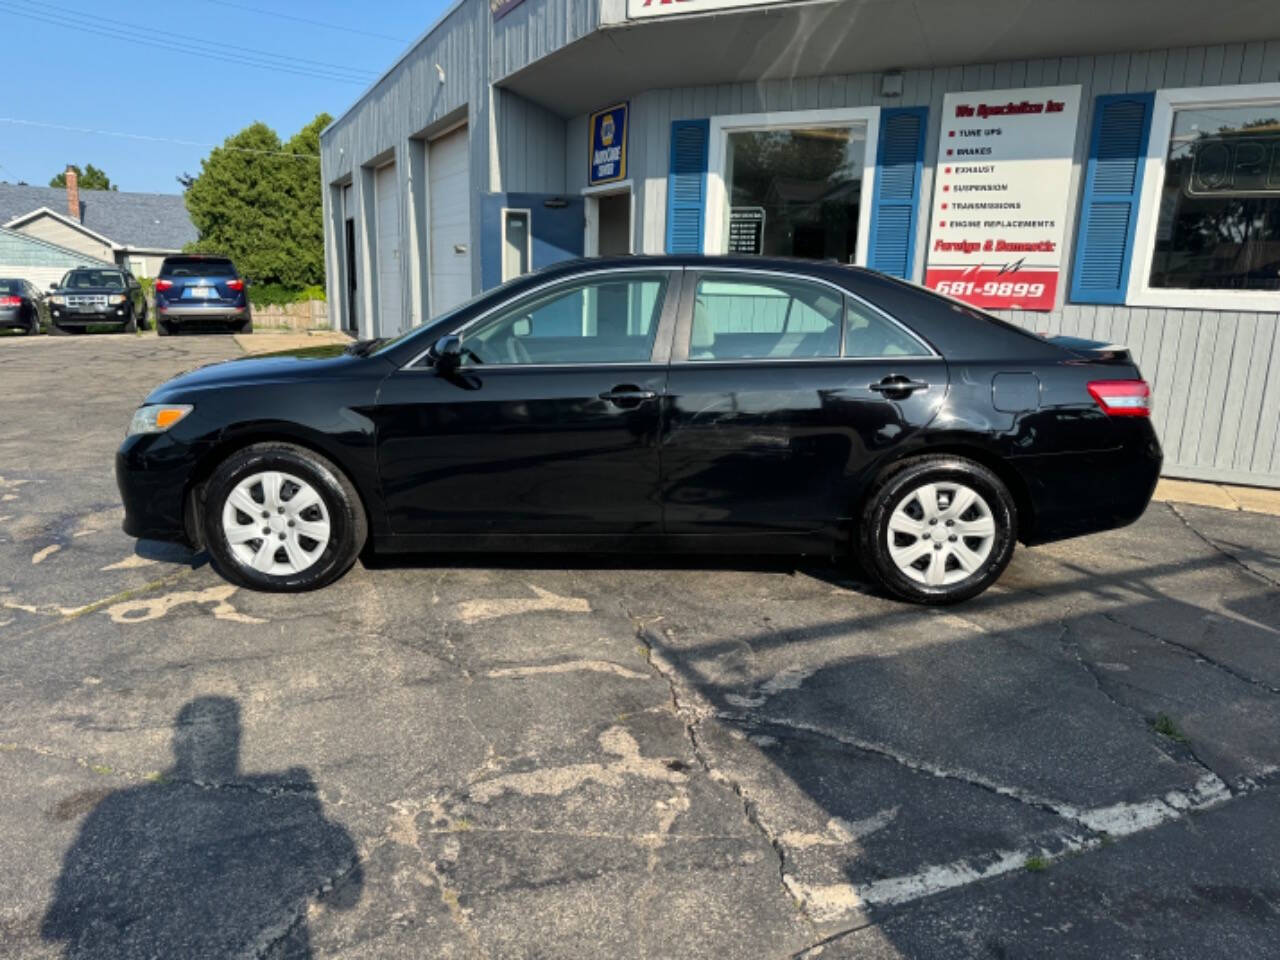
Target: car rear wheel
940, 530
163, 329
280, 517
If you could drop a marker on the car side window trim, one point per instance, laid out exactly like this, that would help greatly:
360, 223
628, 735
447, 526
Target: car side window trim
660, 351
684, 331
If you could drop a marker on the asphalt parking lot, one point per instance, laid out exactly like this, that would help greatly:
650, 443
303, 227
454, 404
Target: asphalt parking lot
619, 757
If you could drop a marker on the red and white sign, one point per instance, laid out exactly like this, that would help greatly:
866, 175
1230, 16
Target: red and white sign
1000, 196
668, 8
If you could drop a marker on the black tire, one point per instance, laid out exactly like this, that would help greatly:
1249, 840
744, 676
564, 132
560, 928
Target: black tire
247, 327
142, 320
57, 331
130, 325
348, 525
34, 329
899, 488
162, 329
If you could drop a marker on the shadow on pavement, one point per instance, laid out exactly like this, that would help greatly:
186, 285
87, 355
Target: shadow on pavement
207, 861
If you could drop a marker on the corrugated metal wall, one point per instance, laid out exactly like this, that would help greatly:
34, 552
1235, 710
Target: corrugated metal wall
1216, 374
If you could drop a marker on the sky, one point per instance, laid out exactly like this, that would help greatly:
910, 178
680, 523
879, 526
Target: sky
70, 64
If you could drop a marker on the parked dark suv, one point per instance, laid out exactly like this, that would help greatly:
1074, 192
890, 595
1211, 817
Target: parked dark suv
88, 296
201, 293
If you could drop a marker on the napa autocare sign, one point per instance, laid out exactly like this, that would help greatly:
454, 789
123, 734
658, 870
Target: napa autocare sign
608, 160
1000, 196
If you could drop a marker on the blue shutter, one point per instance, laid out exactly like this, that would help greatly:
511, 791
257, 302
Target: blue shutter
899, 161
1112, 192
687, 185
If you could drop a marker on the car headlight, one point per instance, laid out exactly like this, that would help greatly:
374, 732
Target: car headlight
157, 417
115, 298
59, 301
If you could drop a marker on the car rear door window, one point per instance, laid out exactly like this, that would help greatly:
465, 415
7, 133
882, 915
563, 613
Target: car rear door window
753, 317
606, 319
869, 333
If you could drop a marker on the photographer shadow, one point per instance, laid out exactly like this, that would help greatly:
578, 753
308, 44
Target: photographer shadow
204, 862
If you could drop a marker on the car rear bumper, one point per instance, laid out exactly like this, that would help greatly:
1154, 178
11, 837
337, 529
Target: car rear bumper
12, 317
182, 313
1081, 493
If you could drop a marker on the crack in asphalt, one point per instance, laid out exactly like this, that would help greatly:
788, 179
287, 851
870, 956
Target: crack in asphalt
692, 717
1194, 653
1089, 668
1218, 548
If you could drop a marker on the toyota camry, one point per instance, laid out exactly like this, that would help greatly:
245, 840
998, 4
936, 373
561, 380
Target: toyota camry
691, 404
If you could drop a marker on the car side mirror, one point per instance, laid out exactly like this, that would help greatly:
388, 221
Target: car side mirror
522, 327
446, 353
52, 287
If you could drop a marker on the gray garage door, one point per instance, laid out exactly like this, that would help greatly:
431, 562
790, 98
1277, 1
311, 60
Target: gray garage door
386, 191
448, 173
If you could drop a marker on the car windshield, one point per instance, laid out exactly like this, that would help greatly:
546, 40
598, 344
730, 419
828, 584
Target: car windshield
447, 315
197, 267
94, 280
11, 288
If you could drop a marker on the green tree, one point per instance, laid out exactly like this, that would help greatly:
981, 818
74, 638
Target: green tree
258, 201
90, 178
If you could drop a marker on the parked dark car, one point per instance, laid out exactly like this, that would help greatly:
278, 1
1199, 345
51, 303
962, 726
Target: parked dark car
198, 293
732, 405
22, 307
87, 296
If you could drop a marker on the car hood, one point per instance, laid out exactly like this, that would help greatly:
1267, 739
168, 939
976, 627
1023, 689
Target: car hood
307, 363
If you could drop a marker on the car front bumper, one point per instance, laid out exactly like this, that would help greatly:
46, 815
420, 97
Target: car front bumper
64, 317
153, 472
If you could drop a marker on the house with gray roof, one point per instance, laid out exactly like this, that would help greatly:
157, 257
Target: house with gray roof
133, 230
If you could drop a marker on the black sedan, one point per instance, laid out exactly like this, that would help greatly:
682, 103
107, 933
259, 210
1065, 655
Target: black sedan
21, 306
88, 296
727, 405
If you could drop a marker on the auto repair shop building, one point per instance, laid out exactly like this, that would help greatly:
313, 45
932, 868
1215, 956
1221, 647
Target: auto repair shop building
1098, 168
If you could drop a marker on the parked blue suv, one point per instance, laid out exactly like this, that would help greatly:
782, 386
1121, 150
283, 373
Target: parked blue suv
201, 293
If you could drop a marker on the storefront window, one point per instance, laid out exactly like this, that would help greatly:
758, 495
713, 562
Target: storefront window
796, 192
1219, 221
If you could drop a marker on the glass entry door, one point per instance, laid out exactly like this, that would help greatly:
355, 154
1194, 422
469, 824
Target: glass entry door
795, 191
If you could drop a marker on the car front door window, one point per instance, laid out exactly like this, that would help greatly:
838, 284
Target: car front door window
609, 319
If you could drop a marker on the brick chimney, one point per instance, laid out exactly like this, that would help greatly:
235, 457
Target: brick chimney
73, 195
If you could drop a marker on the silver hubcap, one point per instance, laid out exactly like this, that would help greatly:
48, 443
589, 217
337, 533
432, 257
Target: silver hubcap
941, 533
275, 523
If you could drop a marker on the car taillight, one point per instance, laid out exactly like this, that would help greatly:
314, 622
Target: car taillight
1122, 398
236, 285
10, 301
164, 284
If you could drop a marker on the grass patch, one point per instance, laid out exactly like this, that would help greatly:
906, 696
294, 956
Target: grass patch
1037, 864
1164, 725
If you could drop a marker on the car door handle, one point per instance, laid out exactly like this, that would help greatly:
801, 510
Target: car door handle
627, 394
898, 385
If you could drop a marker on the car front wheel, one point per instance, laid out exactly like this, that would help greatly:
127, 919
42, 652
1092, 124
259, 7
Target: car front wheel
280, 517
940, 530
